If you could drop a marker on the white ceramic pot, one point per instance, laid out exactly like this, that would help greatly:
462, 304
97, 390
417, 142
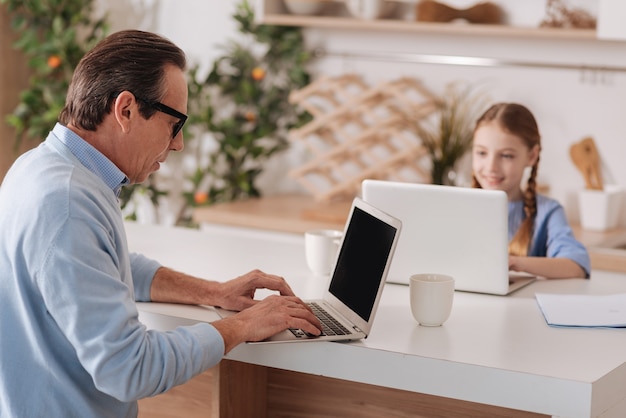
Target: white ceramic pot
370, 9
600, 209
304, 7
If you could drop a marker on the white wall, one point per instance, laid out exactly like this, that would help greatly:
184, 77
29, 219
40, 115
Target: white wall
200, 27
568, 104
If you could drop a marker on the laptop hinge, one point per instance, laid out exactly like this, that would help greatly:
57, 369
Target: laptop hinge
357, 329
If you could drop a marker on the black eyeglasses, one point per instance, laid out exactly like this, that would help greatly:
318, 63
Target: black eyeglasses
169, 111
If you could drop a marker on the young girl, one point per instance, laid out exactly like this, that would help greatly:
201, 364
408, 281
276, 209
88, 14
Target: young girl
506, 142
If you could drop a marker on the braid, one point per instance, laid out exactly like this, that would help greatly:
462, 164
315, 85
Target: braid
518, 120
520, 243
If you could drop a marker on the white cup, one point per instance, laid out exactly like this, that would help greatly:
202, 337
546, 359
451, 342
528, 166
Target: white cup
321, 248
431, 298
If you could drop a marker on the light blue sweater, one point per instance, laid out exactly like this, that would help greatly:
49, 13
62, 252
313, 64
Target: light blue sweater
71, 343
553, 237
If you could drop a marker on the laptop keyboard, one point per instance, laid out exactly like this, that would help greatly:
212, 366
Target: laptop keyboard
330, 326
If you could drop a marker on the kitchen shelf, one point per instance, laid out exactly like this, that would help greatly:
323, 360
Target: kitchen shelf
271, 12
336, 16
422, 27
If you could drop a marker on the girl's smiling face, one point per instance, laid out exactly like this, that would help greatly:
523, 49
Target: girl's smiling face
499, 159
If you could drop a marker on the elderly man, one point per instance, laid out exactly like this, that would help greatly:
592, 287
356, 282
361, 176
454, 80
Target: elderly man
70, 338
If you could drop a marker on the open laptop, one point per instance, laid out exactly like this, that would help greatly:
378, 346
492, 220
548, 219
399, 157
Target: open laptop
357, 281
459, 231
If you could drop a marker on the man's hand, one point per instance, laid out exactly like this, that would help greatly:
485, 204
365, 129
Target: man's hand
238, 294
258, 319
266, 318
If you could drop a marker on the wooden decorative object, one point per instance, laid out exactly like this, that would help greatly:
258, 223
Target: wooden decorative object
586, 158
484, 13
360, 132
559, 15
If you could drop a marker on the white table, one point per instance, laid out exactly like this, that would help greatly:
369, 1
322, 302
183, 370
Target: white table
493, 350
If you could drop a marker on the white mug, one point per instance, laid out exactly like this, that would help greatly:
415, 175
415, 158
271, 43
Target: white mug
431, 298
321, 248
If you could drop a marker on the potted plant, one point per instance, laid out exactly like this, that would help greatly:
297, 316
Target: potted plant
243, 105
447, 133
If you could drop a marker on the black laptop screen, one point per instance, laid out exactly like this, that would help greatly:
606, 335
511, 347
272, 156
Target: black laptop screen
361, 262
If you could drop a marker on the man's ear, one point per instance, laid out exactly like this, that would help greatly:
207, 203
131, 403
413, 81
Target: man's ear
124, 107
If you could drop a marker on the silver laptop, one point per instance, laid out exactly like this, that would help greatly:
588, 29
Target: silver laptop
358, 277
458, 231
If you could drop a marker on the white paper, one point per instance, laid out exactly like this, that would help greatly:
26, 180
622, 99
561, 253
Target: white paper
583, 310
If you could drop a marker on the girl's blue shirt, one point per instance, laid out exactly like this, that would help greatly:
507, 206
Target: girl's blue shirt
553, 236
